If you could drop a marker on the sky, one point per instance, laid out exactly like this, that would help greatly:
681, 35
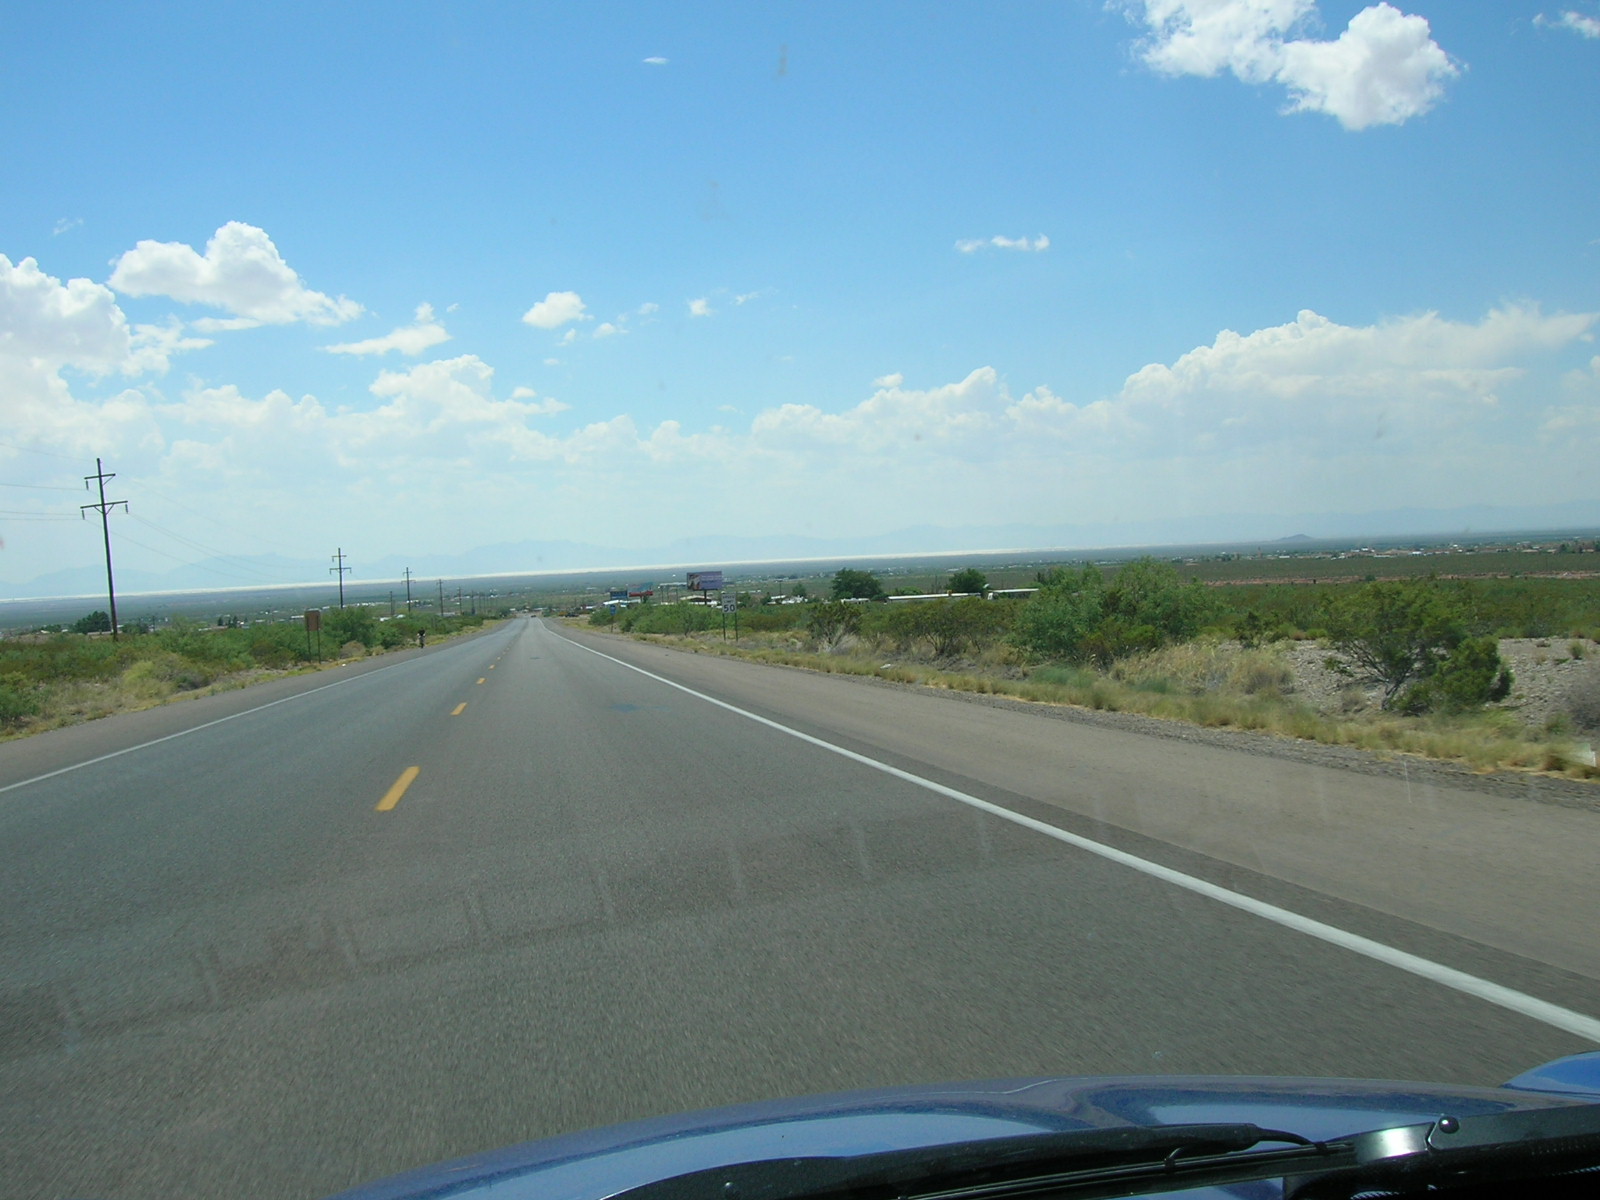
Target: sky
411, 278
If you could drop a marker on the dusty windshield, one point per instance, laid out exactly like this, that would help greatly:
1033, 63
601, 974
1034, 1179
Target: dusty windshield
564, 564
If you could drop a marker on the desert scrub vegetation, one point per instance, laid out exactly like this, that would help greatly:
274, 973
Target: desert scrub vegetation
57, 678
1144, 641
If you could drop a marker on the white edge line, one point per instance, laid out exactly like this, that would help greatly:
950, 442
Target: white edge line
89, 762
1508, 998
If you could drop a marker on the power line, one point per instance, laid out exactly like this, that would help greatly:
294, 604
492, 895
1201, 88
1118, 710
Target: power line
42, 453
40, 487
233, 560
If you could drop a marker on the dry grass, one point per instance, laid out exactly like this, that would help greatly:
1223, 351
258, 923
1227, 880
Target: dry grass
1207, 683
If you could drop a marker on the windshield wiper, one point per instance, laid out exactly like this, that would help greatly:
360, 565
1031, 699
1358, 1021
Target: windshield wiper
1537, 1144
1032, 1164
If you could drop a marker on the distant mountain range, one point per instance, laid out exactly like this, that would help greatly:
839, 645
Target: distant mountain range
507, 558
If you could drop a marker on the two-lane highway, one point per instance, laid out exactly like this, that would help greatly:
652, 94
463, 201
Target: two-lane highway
512, 886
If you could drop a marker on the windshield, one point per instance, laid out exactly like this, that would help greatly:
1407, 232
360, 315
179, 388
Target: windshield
566, 564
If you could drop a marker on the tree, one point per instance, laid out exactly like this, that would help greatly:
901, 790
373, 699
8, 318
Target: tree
799, 590
969, 579
1412, 638
856, 585
96, 622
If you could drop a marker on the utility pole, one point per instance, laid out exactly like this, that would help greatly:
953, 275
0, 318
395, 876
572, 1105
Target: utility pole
341, 570
104, 507
408, 591
441, 599
391, 604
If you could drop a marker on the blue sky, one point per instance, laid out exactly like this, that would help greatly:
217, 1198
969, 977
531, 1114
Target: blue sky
413, 278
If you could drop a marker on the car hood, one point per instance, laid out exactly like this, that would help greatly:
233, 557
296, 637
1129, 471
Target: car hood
602, 1162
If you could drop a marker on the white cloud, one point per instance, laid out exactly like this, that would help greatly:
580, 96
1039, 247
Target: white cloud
240, 272
1000, 242
568, 338
411, 340
701, 307
1314, 376
552, 362
556, 310
225, 324
47, 326
889, 381
655, 60
648, 307
745, 297
606, 329
1383, 69
64, 225
1584, 26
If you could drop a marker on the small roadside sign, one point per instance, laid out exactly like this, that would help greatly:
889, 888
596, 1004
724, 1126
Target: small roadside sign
730, 604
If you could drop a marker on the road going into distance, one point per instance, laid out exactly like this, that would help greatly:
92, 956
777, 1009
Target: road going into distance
280, 941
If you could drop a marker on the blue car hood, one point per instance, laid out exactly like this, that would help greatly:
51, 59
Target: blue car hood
601, 1162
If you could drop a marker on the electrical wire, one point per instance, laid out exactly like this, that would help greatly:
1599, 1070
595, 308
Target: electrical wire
235, 561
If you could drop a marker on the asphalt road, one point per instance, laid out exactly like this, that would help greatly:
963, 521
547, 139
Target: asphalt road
238, 959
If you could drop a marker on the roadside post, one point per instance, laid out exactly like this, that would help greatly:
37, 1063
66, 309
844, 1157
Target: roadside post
314, 625
730, 604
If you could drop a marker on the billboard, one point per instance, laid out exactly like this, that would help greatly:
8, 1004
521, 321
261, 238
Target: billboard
705, 581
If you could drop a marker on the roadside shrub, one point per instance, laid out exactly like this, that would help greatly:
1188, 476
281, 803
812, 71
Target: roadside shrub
1582, 702
19, 699
831, 621
354, 624
950, 627
1472, 675
1081, 616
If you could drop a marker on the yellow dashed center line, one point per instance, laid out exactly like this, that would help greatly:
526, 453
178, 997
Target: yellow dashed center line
480, 681
459, 709
392, 796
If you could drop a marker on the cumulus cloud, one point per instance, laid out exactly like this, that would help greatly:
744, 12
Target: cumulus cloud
411, 340
889, 381
555, 310
1584, 26
606, 329
47, 326
655, 60
648, 307
701, 307
241, 272
1383, 69
1317, 375
998, 242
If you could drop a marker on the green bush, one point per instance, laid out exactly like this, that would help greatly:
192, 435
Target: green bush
832, 621
1080, 616
19, 699
1470, 676
951, 627
1398, 633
